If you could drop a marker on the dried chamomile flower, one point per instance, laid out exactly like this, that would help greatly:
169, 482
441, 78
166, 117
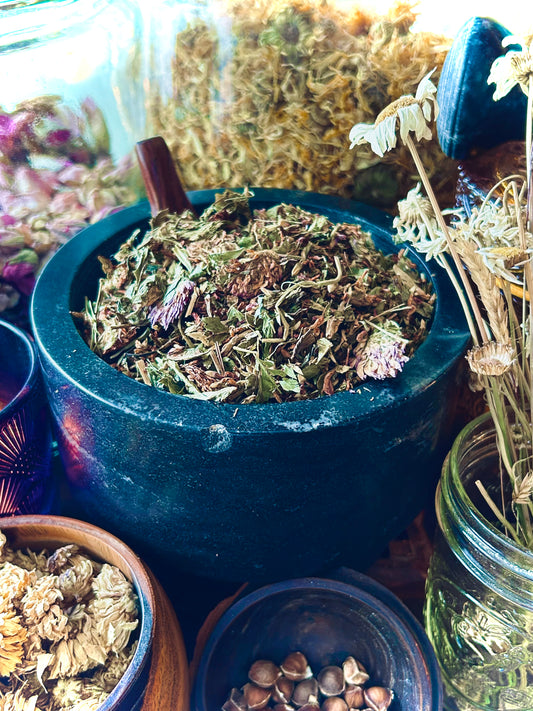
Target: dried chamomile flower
108, 676
17, 701
491, 358
12, 637
113, 608
78, 695
408, 113
512, 68
74, 571
75, 656
14, 581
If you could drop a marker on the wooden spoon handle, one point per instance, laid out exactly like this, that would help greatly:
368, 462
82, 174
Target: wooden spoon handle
163, 186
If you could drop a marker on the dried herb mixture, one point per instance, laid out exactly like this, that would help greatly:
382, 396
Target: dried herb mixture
65, 629
276, 306
265, 93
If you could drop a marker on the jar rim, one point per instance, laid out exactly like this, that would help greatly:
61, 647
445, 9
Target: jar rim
474, 526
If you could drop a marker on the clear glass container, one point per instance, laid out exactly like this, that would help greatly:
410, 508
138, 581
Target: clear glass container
71, 108
479, 595
264, 94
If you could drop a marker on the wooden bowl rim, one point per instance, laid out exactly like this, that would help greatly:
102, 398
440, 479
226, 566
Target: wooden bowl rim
61, 526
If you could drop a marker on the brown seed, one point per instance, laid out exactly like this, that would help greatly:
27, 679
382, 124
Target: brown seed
331, 681
283, 707
264, 673
354, 671
378, 698
305, 692
282, 691
334, 703
295, 667
354, 697
311, 706
255, 696
235, 701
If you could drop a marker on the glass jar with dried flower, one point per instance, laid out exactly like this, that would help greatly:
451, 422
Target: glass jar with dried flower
71, 108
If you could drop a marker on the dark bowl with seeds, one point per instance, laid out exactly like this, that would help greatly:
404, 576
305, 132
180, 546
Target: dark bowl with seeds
246, 491
352, 642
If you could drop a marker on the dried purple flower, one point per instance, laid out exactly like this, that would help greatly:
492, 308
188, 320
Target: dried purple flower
174, 304
21, 275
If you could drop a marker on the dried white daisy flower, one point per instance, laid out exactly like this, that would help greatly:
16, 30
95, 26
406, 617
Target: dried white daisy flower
491, 358
416, 224
410, 113
514, 67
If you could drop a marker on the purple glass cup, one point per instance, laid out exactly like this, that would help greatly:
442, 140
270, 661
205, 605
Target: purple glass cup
26, 481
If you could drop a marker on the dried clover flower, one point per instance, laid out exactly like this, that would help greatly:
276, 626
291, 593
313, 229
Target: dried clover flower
384, 353
491, 358
12, 638
408, 113
514, 67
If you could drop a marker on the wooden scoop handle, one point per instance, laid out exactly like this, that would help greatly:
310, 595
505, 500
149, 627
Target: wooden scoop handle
163, 186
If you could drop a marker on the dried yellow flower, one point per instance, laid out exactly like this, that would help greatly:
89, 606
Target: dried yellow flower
17, 701
12, 638
491, 358
65, 627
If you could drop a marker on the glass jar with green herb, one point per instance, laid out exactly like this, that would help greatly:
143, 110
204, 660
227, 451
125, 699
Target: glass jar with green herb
71, 107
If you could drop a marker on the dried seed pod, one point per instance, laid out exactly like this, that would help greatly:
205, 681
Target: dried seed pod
295, 667
282, 691
264, 673
255, 696
378, 698
305, 692
235, 701
354, 697
334, 703
354, 671
331, 681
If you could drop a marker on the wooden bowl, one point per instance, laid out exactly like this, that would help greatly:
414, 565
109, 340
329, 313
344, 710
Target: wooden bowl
159, 635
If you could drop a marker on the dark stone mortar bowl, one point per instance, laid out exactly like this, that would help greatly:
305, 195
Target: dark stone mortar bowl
258, 492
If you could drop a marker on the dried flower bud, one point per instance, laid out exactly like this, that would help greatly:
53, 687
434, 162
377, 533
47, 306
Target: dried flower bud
255, 696
264, 673
235, 701
295, 667
331, 681
305, 692
353, 695
283, 690
354, 671
334, 703
378, 698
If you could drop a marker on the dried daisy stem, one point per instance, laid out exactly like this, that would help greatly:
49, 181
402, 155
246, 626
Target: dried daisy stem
442, 224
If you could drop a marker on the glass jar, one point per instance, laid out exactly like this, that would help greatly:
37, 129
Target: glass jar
264, 94
479, 594
71, 108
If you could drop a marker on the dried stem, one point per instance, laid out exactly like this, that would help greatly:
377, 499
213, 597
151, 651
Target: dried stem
485, 336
